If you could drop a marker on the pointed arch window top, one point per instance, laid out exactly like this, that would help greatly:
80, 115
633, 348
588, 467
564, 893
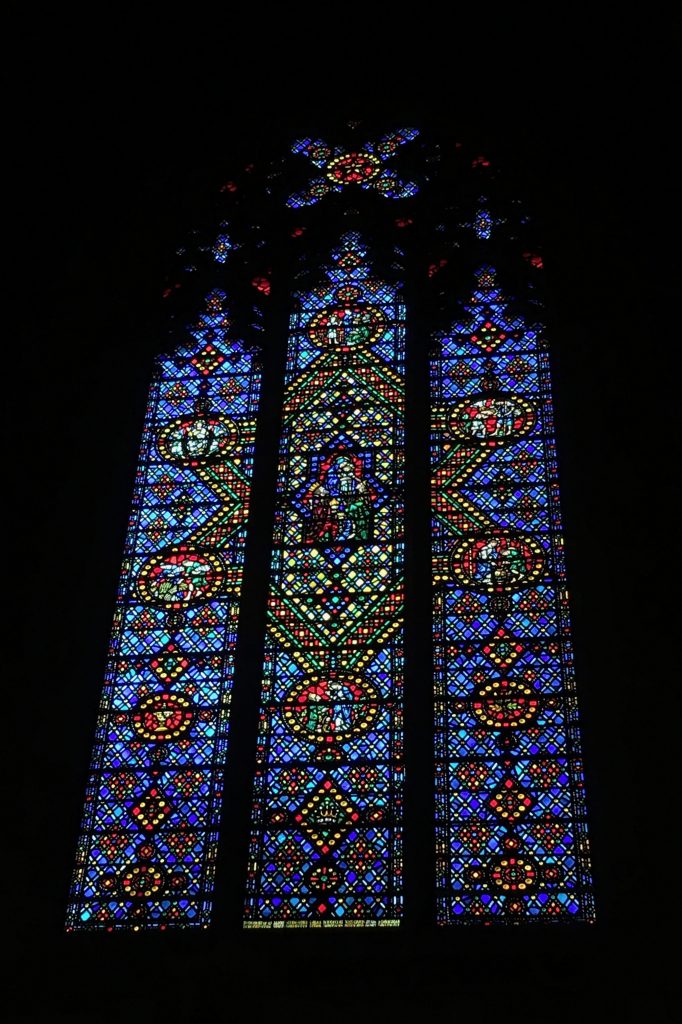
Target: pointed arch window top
363, 166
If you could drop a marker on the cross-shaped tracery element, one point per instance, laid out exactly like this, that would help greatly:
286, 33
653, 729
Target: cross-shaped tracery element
363, 166
483, 222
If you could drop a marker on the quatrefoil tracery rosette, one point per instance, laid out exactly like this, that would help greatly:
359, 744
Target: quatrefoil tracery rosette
362, 166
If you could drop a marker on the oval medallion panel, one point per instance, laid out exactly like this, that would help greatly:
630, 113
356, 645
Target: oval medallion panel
348, 326
163, 716
492, 418
179, 578
197, 440
331, 707
497, 562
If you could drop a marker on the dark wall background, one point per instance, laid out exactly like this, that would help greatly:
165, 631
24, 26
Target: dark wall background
112, 150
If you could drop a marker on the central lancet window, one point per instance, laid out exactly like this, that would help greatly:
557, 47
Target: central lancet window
326, 840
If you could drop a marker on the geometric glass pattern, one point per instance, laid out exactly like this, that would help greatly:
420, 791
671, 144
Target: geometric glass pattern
510, 832
147, 849
326, 843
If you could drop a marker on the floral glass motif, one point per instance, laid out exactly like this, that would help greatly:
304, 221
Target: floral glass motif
146, 854
364, 166
511, 832
326, 828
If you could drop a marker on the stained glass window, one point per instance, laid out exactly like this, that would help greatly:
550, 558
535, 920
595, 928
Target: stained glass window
326, 840
324, 830
147, 850
511, 832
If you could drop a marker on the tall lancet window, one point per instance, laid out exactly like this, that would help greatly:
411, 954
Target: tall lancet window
511, 839
147, 850
326, 839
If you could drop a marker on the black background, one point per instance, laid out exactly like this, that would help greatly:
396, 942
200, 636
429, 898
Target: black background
111, 148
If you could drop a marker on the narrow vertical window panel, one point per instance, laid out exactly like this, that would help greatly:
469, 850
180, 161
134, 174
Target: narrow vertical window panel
326, 832
511, 824
147, 849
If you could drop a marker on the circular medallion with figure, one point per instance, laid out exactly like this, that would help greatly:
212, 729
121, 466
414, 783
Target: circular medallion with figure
346, 327
179, 578
491, 418
197, 440
497, 562
330, 707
